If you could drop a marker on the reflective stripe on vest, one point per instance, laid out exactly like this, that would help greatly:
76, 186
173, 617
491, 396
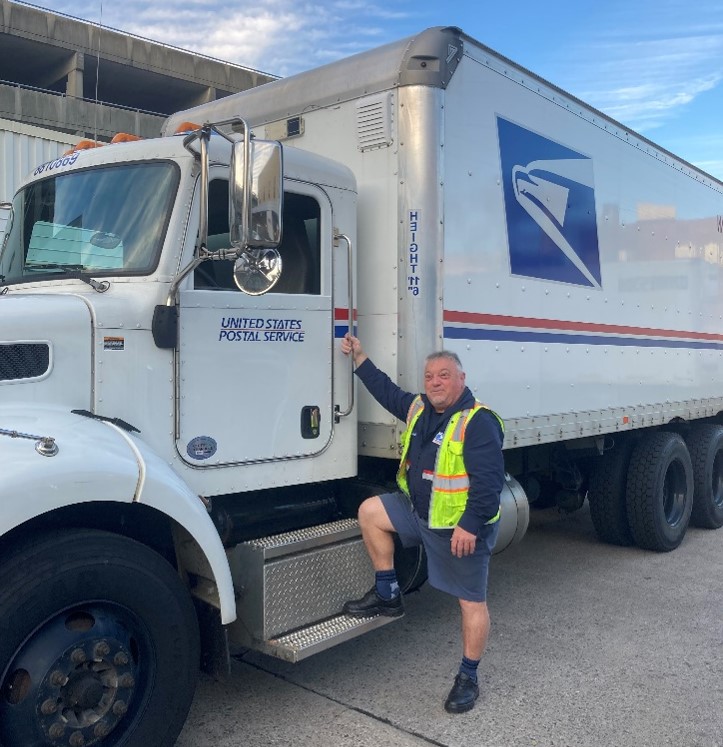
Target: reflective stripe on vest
450, 484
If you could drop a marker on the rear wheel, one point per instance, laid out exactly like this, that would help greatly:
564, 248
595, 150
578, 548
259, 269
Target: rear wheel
606, 495
659, 493
705, 444
98, 644
410, 564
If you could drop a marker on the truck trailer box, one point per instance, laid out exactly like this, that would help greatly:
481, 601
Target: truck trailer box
573, 265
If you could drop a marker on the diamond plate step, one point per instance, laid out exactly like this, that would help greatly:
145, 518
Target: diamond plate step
291, 588
311, 640
300, 540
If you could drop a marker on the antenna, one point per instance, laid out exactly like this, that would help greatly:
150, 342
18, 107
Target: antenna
97, 72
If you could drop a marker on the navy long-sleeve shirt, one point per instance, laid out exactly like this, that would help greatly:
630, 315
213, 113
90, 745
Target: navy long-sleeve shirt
482, 448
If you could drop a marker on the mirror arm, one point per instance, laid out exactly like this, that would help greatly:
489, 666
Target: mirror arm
247, 182
203, 212
201, 253
190, 267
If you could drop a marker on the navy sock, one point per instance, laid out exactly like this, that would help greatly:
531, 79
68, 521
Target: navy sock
469, 667
386, 584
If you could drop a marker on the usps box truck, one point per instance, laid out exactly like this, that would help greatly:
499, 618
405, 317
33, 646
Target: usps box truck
184, 446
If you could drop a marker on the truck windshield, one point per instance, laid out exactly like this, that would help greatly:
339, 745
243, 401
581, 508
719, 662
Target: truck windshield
102, 221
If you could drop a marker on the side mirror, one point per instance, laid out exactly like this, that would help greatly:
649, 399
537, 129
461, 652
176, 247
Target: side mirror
256, 195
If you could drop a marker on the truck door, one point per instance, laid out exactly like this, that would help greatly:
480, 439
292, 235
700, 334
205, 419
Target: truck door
255, 371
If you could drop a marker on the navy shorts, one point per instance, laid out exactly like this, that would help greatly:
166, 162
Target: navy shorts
464, 578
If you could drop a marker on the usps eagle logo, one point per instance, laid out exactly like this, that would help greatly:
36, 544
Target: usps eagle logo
549, 194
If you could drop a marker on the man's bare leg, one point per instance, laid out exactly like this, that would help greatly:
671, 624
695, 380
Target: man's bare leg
475, 630
377, 533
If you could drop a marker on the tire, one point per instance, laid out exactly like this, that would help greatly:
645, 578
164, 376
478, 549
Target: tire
606, 496
410, 564
659, 492
705, 444
98, 638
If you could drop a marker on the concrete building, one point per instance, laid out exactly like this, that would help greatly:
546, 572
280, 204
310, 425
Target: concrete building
84, 80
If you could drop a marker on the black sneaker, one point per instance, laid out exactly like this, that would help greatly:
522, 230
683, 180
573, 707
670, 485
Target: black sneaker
463, 694
372, 604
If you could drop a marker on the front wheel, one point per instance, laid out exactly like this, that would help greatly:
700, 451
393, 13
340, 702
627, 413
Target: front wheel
99, 644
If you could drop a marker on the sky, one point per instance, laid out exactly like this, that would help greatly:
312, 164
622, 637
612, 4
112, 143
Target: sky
656, 66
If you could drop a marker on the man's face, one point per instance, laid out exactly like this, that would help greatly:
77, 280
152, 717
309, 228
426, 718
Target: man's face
443, 383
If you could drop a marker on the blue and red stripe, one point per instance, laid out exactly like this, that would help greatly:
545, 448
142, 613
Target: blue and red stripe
341, 322
462, 325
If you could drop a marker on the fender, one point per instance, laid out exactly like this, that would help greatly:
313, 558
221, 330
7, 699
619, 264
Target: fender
98, 461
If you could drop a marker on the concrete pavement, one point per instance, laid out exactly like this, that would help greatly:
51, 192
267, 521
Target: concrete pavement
591, 646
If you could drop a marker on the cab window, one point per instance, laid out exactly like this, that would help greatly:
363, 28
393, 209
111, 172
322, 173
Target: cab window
300, 247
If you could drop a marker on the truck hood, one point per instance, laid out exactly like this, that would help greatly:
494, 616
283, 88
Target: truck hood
46, 344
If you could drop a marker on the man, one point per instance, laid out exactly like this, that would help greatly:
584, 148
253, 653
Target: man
452, 471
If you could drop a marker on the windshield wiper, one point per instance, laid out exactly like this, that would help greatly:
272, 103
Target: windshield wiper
54, 266
74, 272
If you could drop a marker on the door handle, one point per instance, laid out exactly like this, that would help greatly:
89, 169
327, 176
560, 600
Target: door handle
350, 277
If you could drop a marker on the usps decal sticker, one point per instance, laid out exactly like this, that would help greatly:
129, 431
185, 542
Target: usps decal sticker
549, 196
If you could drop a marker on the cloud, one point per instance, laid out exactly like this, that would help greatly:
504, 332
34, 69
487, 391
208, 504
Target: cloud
703, 148
649, 105
277, 36
647, 82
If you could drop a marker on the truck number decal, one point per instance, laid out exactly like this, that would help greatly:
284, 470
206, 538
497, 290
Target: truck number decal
56, 163
549, 196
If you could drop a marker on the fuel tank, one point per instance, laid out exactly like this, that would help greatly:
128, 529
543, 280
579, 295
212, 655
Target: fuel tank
514, 515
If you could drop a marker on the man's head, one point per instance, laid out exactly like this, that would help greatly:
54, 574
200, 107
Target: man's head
443, 379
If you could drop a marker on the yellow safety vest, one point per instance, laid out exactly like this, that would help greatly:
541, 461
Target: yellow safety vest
450, 483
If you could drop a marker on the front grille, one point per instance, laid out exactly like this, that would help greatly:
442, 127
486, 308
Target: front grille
23, 360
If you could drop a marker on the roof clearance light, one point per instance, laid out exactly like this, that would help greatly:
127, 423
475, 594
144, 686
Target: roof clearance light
124, 137
84, 145
187, 127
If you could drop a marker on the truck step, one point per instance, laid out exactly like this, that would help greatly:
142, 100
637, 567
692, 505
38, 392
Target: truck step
312, 639
300, 540
292, 587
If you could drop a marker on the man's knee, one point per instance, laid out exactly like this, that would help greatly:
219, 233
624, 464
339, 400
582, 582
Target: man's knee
373, 514
473, 609
369, 509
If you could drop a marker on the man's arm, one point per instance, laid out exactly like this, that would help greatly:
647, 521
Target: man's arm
380, 386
